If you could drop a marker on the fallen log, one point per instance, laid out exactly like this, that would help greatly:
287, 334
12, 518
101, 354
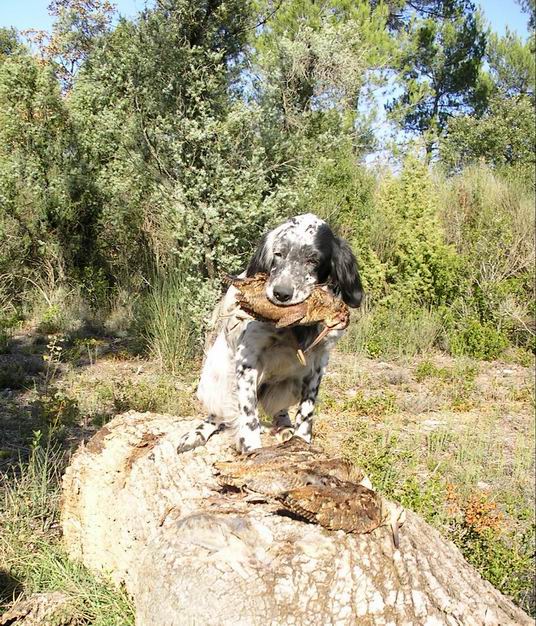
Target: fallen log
158, 523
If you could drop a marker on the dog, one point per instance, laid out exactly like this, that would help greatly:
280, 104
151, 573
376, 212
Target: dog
250, 362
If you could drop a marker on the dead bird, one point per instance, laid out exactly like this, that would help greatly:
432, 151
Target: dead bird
320, 307
327, 491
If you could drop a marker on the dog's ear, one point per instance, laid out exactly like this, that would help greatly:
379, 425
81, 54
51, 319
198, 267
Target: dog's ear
261, 261
344, 273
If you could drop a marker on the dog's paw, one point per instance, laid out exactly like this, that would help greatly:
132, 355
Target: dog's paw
189, 441
198, 437
248, 442
283, 434
304, 434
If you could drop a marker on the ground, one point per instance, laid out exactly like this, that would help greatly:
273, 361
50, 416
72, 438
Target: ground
452, 439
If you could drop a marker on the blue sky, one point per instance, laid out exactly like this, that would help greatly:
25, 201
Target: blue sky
24, 14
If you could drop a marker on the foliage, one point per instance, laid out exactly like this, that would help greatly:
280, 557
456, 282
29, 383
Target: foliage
477, 527
394, 331
29, 509
490, 221
172, 321
503, 135
418, 263
478, 340
439, 67
78, 24
163, 146
192, 185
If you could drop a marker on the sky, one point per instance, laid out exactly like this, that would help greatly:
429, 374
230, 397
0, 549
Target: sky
24, 14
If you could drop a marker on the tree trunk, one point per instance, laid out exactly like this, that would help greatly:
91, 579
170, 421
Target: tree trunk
188, 554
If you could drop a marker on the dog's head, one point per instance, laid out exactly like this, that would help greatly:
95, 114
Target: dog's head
302, 253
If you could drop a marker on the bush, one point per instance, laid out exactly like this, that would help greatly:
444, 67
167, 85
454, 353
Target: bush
172, 317
401, 244
490, 220
394, 331
476, 339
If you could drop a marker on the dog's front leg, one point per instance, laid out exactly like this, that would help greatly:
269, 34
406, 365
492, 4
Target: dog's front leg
248, 425
304, 417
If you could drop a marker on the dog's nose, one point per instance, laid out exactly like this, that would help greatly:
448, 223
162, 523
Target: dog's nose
283, 293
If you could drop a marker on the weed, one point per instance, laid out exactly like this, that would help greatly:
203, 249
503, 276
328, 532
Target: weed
375, 406
12, 376
7, 324
52, 358
458, 381
57, 410
30, 548
83, 348
99, 400
50, 320
503, 557
460, 372
169, 330
393, 332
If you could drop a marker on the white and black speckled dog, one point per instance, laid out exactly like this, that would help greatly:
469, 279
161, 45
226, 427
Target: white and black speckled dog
252, 361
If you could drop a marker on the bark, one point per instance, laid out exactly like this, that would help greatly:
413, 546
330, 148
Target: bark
41, 609
157, 522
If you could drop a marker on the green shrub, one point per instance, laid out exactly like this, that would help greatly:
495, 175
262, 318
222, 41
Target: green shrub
374, 406
57, 410
401, 242
463, 372
489, 219
503, 557
460, 250
7, 323
50, 320
390, 331
12, 376
476, 339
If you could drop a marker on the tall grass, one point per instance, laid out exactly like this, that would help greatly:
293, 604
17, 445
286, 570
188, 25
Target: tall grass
31, 556
170, 330
391, 332
490, 219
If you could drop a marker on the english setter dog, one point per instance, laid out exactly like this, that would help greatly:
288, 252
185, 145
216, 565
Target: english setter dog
252, 362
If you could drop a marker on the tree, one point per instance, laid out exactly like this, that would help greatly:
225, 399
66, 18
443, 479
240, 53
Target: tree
35, 149
9, 42
175, 155
529, 7
504, 134
512, 66
77, 26
314, 59
189, 554
439, 69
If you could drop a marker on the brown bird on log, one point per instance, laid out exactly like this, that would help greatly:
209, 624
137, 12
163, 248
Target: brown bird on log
328, 491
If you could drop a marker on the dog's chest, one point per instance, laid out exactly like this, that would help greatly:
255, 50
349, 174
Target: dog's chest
281, 362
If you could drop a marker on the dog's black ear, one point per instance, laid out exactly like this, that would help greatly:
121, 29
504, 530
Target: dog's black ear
344, 273
261, 261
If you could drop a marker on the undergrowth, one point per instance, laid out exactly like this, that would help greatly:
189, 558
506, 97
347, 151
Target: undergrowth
420, 472
31, 555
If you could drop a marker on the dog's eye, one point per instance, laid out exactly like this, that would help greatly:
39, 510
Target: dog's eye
278, 255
